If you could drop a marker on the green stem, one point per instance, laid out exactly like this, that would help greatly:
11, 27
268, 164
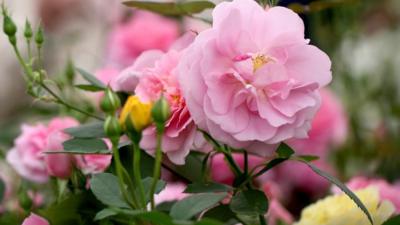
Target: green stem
137, 174
157, 167
235, 168
29, 72
119, 170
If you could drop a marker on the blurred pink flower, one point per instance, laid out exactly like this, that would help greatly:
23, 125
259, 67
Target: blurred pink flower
329, 127
152, 75
295, 175
252, 80
144, 31
276, 211
28, 158
172, 192
387, 191
93, 163
34, 219
221, 172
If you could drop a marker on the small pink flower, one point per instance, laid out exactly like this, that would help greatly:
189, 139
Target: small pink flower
152, 75
172, 192
387, 191
328, 129
28, 158
144, 31
34, 219
252, 80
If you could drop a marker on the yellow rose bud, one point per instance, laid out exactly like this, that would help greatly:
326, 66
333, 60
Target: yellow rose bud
135, 114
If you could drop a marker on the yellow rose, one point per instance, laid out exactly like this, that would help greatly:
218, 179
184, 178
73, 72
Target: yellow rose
341, 210
135, 114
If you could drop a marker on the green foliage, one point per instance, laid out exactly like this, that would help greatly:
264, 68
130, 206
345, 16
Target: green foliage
222, 213
85, 146
89, 87
284, 151
2, 189
106, 189
393, 221
147, 184
89, 130
91, 79
207, 187
249, 202
179, 8
194, 204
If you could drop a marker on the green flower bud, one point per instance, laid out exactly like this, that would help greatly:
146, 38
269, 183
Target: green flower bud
28, 30
70, 71
160, 112
9, 27
112, 128
12, 39
39, 37
110, 102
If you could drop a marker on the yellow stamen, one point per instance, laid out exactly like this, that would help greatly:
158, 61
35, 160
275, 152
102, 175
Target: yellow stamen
259, 61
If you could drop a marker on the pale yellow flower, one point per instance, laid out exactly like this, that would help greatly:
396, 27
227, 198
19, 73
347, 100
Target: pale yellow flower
139, 114
341, 210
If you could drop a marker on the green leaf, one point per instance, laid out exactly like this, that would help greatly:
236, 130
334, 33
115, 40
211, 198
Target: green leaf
209, 187
271, 164
106, 189
192, 205
221, 213
307, 158
208, 222
85, 146
91, 79
343, 187
89, 87
147, 184
90, 130
156, 218
2, 189
249, 202
107, 212
172, 8
284, 151
393, 221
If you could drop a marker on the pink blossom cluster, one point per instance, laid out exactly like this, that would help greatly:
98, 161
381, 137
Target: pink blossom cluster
251, 81
28, 156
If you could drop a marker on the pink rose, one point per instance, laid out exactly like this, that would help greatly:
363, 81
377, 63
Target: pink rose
34, 219
152, 75
144, 31
93, 163
172, 192
252, 80
28, 158
329, 127
387, 191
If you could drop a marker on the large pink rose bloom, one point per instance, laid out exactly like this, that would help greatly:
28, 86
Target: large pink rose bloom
387, 191
328, 129
144, 31
152, 75
34, 219
252, 80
